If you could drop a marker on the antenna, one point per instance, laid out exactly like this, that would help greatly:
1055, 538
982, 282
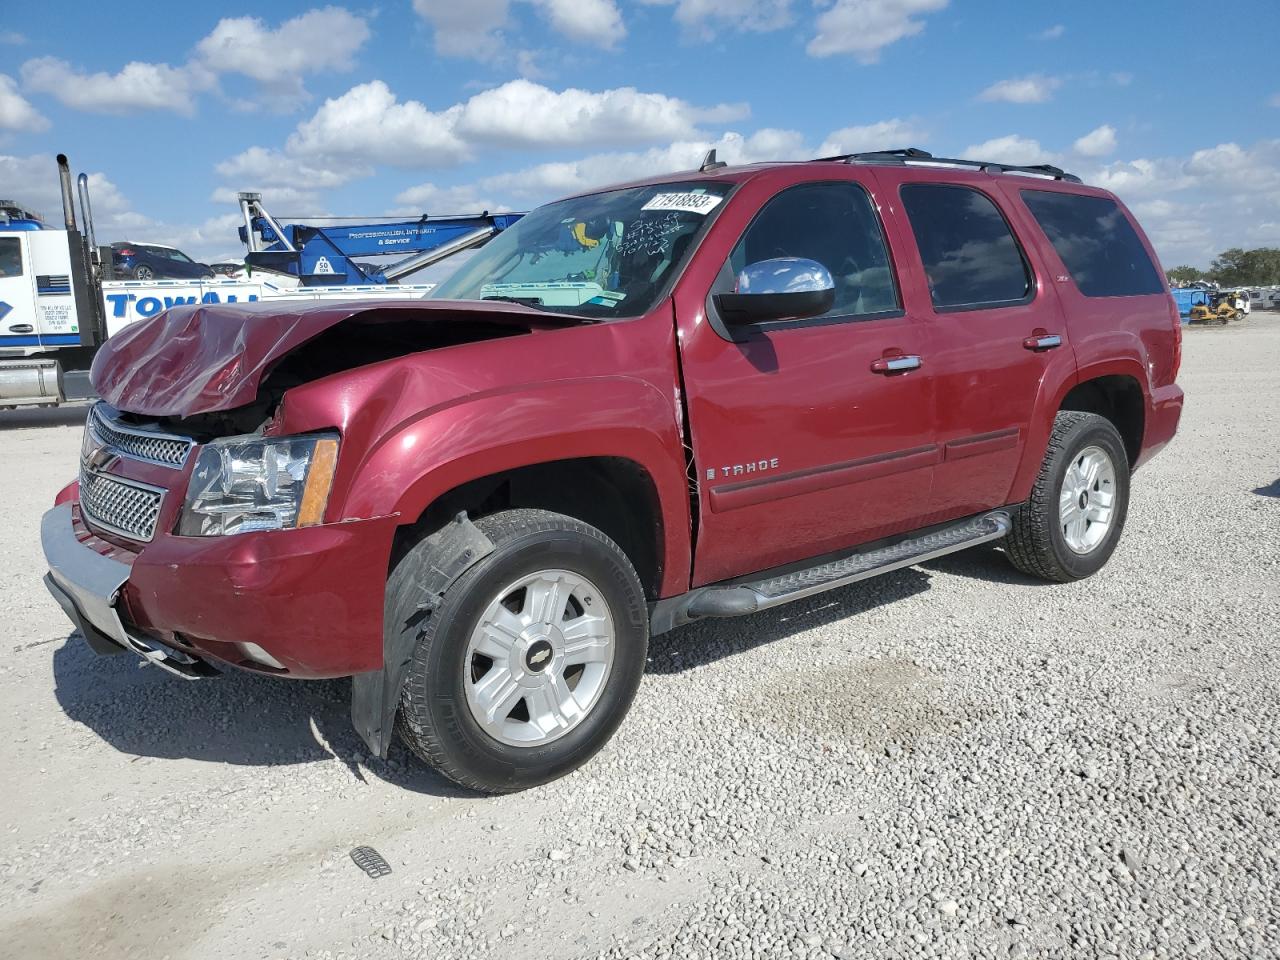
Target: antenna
709, 162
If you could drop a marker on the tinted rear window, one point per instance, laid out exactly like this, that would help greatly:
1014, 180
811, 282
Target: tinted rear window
970, 255
1096, 242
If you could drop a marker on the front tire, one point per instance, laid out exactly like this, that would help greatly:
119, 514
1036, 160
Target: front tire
530, 661
1070, 525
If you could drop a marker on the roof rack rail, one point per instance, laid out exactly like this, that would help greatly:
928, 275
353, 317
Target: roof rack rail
906, 155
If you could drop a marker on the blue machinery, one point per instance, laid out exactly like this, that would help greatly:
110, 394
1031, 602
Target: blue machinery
322, 256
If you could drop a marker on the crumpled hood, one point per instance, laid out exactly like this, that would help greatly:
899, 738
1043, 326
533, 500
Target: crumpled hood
200, 358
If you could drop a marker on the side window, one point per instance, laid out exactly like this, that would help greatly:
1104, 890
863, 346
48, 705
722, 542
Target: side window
835, 224
1096, 242
10, 257
970, 255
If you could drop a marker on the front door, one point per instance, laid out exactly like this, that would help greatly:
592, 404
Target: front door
809, 435
17, 295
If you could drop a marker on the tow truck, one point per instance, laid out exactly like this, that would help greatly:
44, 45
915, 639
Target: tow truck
58, 303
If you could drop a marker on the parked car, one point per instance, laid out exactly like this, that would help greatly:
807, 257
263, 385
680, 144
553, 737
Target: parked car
151, 261
701, 395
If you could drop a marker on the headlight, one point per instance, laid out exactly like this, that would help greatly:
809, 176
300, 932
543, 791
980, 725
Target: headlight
243, 484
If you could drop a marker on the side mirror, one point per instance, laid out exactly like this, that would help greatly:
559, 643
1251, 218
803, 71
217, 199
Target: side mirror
785, 288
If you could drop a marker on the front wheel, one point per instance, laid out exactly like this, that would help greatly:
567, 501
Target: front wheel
531, 659
1070, 525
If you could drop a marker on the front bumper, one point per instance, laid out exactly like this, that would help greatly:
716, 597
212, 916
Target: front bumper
87, 586
300, 603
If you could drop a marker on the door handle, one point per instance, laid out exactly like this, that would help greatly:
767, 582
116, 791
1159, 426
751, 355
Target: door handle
1045, 342
888, 365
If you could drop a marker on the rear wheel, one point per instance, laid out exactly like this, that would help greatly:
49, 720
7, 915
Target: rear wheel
143, 272
532, 658
1070, 525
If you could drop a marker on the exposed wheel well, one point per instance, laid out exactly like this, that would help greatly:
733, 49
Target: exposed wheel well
1118, 398
615, 495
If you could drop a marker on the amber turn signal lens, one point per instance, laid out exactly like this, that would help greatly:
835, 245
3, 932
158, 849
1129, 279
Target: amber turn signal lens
315, 497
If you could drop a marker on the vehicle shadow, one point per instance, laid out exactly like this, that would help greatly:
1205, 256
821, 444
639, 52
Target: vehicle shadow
250, 720
707, 641
1272, 489
987, 563
66, 415
238, 718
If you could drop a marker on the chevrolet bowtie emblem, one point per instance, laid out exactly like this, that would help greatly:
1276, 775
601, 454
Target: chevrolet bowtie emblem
538, 657
100, 458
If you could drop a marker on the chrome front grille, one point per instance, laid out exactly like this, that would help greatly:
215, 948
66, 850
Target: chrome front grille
120, 506
136, 443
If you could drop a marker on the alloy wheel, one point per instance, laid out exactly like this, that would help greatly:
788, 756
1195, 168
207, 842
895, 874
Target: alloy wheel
539, 658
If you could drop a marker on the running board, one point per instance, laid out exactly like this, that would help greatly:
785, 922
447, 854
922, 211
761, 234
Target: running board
751, 596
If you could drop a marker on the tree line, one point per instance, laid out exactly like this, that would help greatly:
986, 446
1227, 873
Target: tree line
1236, 267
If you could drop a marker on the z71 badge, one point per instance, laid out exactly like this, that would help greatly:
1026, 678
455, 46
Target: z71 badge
739, 469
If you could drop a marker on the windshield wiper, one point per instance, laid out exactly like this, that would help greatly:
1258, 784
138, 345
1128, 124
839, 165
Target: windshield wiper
523, 301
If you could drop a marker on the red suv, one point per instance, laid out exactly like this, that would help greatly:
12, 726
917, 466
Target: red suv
695, 396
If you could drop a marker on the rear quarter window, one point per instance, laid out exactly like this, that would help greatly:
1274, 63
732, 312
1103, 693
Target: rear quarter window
1097, 244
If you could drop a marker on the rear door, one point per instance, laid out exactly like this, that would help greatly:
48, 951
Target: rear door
804, 440
996, 335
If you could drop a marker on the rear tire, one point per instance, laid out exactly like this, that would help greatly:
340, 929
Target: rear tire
1070, 525
497, 697
143, 272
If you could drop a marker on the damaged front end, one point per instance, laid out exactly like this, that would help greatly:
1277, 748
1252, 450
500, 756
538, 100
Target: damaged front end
208, 524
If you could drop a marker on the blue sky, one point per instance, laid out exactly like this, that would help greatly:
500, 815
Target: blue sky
449, 107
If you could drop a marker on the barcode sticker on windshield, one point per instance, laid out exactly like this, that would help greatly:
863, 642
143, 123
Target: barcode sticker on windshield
702, 203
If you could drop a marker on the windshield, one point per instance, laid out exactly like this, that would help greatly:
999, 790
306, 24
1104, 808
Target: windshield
605, 255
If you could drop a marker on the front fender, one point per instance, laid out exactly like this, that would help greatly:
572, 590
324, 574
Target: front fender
415, 464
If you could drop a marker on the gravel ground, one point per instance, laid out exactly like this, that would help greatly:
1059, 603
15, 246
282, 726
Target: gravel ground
950, 761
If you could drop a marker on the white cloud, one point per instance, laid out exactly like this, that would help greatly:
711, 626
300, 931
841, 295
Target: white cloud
321, 40
258, 167
1053, 33
884, 135
1010, 149
281, 200
548, 180
441, 201
138, 86
865, 27
1097, 143
703, 18
1035, 88
592, 21
1274, 100
12, 38
369, 123
465, 29
522, 112
33, 180
16, 113
1137, 177
1195, 207
475, 28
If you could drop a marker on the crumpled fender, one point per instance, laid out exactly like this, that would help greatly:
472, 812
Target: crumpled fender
375, 696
